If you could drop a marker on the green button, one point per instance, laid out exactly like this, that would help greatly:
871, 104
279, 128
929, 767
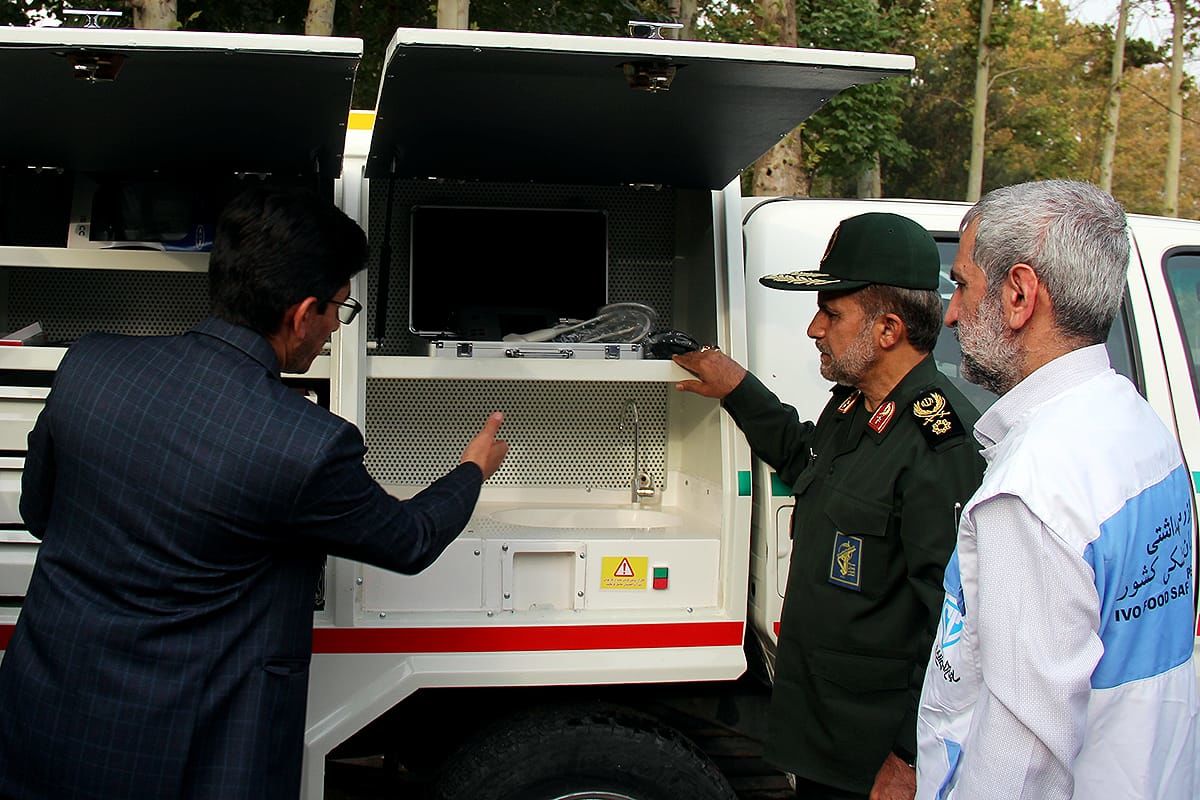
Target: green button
660, 572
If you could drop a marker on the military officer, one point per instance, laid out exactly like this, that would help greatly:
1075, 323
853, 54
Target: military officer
878, 481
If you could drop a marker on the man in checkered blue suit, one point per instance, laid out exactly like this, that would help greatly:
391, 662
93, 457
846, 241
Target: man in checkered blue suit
186, 500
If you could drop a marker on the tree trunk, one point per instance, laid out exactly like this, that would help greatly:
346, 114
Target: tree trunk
870, 180
683, 12
687, 16
781, 170
1112, 115
319, 19
453, 14
983, 65
157, 15
1175, 112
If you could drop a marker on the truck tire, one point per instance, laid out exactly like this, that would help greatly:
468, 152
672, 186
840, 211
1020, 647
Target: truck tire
594, 752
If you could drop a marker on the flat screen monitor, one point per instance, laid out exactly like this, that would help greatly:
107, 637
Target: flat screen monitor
482, 273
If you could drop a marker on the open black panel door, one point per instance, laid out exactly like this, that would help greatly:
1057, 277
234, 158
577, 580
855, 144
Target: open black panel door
132, 101
596, 110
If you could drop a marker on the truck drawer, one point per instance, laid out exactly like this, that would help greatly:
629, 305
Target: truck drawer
10, 490
18, 551
19, 409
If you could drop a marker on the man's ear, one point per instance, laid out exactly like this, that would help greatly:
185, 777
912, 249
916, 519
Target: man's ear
298, 317
891, 331
1021, 296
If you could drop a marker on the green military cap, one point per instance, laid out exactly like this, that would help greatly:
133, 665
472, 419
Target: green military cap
870, 248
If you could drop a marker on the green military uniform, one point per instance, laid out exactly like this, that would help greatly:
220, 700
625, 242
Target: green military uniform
878, 493
877, 497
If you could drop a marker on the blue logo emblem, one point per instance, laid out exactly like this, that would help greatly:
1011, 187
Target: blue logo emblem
845, 568
952, 623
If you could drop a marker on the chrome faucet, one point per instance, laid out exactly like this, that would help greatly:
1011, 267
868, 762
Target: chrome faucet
641, 486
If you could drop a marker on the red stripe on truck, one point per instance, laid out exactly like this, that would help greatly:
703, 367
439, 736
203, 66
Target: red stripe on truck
513, 638
517, 638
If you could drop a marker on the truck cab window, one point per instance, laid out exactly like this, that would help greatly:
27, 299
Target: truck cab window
1183, 278
948, 354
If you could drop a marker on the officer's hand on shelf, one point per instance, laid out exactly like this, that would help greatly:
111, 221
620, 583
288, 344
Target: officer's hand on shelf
485, 449
718, 373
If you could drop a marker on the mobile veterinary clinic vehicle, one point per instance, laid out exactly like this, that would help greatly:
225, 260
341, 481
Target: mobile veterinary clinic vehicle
595, 613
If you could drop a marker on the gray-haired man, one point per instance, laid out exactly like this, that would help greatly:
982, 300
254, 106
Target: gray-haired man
1062, 666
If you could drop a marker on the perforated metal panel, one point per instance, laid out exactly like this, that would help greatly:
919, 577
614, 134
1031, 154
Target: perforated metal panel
560, 433
70, 302
641, 240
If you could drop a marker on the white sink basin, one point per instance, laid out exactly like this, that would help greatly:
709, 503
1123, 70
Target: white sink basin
585, 518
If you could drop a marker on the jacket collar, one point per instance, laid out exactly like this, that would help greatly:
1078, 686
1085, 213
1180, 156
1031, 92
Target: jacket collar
244, 339
902, 395
1040, 386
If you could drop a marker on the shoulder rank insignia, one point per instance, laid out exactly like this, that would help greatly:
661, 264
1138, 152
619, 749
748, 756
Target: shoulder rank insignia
848, 404
882, 417
936, 418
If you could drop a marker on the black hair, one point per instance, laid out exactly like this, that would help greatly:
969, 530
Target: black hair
273, 248
919, 309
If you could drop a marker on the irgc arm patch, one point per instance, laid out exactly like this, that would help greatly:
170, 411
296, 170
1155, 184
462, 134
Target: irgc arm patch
936, 419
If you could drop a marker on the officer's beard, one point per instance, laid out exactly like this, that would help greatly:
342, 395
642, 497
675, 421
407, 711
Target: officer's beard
860, 355
991, 353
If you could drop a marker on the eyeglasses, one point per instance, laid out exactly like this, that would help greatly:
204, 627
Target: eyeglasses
347, 310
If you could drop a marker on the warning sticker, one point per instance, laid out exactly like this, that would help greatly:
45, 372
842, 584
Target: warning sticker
623, 572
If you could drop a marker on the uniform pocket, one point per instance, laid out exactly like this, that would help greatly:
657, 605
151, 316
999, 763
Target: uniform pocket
859, 555
286, 667
860, 673
855, 515
861, 702
805, 479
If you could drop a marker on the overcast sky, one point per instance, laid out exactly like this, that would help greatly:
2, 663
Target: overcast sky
1148, 19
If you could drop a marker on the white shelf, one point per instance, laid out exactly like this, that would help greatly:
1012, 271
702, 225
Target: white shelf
517, 369
82, 258
43, 358
48, 358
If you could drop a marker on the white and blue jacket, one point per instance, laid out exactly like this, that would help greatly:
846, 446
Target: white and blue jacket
1063, 662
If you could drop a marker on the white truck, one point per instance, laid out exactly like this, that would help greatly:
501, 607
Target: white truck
585, 635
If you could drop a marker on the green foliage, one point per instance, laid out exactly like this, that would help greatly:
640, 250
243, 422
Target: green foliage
864, 120
373, 22
257, 16
595, 18
841, 139
1048, 79
1142, 53
1047, 86
22, 13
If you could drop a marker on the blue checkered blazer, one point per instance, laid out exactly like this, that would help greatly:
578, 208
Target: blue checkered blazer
186, 499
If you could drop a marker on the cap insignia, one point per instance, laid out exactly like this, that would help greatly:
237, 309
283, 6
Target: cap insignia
803, 278
832, 240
